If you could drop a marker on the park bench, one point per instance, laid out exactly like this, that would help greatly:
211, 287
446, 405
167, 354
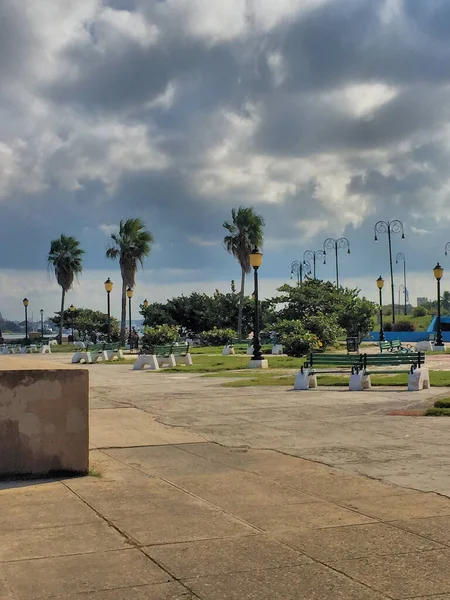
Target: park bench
392, 346
95, 352
411, 363
157, 356
334, 363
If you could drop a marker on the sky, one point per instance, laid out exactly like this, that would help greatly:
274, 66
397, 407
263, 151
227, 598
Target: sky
324, 115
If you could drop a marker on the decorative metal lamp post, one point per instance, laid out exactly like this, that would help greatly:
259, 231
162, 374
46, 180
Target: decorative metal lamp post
309, 255
25, 303
145, 303
380, 284
108, 287
72, 314
336, 245
42, 323
447, 248
129, 296
390, 227
257, 360
400, 256
300, 269
438, 272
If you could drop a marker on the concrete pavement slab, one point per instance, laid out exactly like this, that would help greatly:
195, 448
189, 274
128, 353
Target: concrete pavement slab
356, 541
157, 591
434, 528
56, 541
403, 575
404, 506
25, 516
63, 575
220, 556
30, 492
191, 521
235, 490
300, 516
305, 582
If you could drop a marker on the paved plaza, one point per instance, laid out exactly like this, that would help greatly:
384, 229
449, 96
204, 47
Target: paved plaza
237, 493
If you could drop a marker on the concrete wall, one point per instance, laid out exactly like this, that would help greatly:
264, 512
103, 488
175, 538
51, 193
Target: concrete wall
44, 422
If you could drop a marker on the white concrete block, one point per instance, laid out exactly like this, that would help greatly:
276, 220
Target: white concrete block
424, 346
419, 379
258, 364
45, 349
150, 360
188, 360
277, 349
249, 350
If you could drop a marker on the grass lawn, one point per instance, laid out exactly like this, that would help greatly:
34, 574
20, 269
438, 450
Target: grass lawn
239, 349
212, 364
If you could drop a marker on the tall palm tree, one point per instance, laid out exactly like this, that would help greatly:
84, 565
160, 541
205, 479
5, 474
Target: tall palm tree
66, 257
131, 245
245, 231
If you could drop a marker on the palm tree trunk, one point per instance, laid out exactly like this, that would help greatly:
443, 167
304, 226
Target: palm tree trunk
61, 320
241, 304
123, 314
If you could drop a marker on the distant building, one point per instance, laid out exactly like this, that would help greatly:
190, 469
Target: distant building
421, 301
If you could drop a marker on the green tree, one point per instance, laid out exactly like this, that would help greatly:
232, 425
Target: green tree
66, 257
245, 232
446, 301
90, 324
353, 313
131, 245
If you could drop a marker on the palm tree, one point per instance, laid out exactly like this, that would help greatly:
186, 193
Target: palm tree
245, 231
66, 257
131, 245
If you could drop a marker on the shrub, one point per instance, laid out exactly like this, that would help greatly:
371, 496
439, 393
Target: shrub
403, 326
325, 327
160, 335
295, 339
217, 337
437, 412
387, 326
420, 311
442, 403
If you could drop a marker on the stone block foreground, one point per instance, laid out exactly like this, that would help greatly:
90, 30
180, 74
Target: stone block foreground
44, 424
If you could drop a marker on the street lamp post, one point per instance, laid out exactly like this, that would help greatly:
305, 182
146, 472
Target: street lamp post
309, 255
438, 272
72, 314
300, 268
336, 245
400, 256
42, 323
447, 248
380, 284
390, 227
108, 287
257, 359
145, 303
25, 303
129, 296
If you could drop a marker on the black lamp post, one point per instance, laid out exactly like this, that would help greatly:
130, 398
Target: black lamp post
390, 227
108, 287
380, 284
438, 272
336, 245
25, 303
300, 269
400, 256
447, 248
42, 323
256, 262
313, 255
72, 314
129, 296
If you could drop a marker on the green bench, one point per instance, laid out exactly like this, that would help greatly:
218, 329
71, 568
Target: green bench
94, 352
334, 363
157, 356
392, 346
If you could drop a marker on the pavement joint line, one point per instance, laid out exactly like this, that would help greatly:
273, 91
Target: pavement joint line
218, 508
130, 540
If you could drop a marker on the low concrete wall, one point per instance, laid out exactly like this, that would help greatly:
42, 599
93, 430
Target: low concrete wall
44, 421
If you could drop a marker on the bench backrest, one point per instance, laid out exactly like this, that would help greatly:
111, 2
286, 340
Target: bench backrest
411, 358
384, 346
179, 350
335, 360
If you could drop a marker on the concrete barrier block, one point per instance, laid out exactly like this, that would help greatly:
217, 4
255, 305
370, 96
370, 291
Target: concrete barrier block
44, 426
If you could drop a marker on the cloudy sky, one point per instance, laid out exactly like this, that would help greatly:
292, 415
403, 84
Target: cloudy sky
325, 115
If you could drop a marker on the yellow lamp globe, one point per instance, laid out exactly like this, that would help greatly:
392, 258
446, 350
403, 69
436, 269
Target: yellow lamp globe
109, 285
129, 292
256, 258
71, 308
380, 283
438, 271
145, 303
25, 302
